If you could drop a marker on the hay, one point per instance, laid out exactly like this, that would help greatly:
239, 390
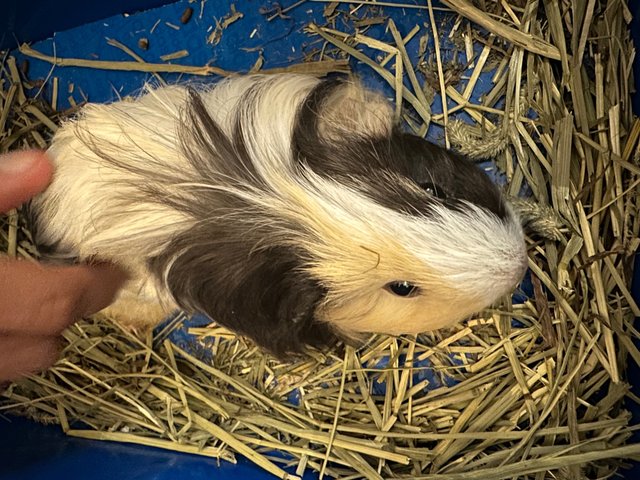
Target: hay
530, 390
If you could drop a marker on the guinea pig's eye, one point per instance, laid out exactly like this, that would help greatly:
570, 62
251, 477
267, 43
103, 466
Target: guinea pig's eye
432, 190
402, 289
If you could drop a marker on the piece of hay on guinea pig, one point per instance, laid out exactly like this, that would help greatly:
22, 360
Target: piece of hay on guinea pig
289, 209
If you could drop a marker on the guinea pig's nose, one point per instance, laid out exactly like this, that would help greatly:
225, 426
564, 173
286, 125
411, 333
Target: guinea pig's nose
510, 271
521, 266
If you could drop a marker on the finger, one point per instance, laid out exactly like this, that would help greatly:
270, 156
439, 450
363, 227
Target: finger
44, 300
22, 175
23, 355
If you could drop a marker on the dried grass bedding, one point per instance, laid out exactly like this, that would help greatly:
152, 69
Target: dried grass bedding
534, 388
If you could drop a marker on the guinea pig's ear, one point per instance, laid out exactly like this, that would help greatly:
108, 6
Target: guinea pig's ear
261, 293
349, 108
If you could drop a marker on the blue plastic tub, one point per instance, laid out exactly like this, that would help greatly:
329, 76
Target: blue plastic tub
32, 452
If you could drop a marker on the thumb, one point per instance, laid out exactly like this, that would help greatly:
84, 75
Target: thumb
22, 175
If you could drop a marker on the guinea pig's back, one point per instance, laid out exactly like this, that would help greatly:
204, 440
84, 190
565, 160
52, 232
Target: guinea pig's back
91, 208
117, 164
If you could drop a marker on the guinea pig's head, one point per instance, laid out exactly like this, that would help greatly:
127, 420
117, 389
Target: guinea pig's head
372, 230
412, 237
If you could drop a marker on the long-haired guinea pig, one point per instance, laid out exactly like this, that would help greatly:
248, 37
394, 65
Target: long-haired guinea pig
289, 209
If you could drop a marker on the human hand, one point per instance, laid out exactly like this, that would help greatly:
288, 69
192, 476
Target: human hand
38, 302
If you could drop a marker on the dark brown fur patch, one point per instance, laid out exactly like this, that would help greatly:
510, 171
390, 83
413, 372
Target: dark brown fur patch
261, 294
230, 265
391, 169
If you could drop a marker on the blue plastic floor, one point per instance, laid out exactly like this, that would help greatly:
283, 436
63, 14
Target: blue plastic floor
33, 452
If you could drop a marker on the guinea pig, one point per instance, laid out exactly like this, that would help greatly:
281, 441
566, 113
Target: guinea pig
291, 210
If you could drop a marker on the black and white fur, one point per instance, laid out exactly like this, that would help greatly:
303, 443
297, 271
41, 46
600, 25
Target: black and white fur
289, 209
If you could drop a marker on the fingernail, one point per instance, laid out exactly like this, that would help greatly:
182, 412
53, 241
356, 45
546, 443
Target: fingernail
17, 163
